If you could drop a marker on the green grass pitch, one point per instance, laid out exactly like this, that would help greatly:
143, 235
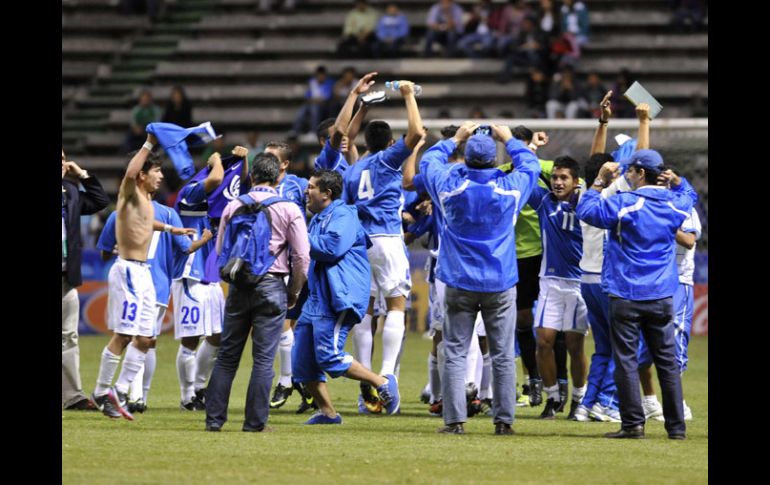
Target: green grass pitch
166, 445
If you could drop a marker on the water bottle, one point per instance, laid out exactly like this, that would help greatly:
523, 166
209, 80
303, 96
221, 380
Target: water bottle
394, 86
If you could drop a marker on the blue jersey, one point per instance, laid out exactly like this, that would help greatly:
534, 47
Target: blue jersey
478, 210
339, 274
164, 247
331, 159
561, 235
373, 185
639, 258
293, 188
192, 206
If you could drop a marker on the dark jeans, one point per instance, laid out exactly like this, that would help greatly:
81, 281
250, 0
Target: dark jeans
260, 311
653, 318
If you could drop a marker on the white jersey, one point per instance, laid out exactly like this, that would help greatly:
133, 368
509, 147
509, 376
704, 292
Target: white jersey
685, 258
593, 238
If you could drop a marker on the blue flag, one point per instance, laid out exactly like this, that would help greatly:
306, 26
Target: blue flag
173, 139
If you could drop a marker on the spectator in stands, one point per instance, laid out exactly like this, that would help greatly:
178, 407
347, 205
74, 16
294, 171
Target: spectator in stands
264, 7
478, 38
445, 25
342, 88
144, 113
564, 95
178, 108
506, 22
574, 20
528, 50
358, 33
593, 93
548, 17
620, 106
536, 93
392, 32
317, 99
688, 15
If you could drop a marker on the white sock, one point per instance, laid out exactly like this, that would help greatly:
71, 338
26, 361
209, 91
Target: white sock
441, 361
474, 352
205, 359
651, 399
149, 371
397, 371
486, 377
579, 392
553, 392
392, 337
131, 364
185, 368
434, 378
362, 338
284, 357
135, 390
107, 368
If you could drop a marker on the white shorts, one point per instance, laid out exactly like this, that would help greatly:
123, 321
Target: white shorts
390, 267
131, 301
380, 306
161, 314
192, 308
436, 305
216, 307
560, 306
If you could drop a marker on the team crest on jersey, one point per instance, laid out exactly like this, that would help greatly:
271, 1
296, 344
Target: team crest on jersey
233, 190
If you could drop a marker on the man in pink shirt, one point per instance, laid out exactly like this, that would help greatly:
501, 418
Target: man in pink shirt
260, 310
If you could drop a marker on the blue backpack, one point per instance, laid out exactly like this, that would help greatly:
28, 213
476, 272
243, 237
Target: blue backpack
245, 256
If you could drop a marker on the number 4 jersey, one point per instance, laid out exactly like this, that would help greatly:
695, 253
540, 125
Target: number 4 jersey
373, 185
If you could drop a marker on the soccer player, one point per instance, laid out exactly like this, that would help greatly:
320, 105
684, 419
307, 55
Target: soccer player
373, 185
163, 250
560, 307
131, 301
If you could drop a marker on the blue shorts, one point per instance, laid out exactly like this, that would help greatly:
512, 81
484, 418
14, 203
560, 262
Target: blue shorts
684, 303
319, 346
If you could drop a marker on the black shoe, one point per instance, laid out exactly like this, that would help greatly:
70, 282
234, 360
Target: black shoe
425, 397
213, 427
563, 394
572, 408
535, 392
637, 432
307, 400
474, 407
187, 406
280, 395
550, 409
677, 437
138, 406
503, 429
199, 401
454, 428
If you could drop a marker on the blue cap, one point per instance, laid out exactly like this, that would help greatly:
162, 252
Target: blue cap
647, 159
480, 148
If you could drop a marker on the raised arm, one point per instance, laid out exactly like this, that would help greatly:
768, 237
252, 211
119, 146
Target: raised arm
345, 114
408, 167
243, 152
643, 113
128, 185
216, 173
414, 129
354, 128
599, 143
